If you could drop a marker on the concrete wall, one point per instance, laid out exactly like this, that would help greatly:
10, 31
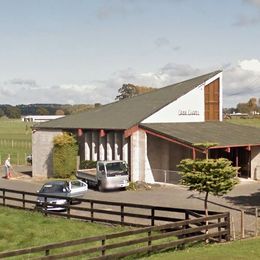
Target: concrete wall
42, 149
255, 163
139, 157
163, 157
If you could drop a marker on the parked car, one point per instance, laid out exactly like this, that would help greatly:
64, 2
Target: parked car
66, 190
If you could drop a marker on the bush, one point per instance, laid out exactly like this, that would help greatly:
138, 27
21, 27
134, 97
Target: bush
88, 164
64, 156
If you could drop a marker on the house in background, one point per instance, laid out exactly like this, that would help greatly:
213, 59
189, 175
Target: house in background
40, 118
153, 132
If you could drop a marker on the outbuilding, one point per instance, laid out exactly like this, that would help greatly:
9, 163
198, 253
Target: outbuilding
153, 132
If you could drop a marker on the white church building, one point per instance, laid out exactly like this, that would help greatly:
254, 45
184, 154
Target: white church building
154, 131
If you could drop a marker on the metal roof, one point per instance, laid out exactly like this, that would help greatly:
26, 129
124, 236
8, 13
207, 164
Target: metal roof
127, 112
224, 134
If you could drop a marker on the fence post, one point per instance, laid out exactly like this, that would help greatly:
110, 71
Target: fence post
165, 176
103, 245
47, 252
152, 217
68, 208
3, 197
91, 210
256, 220
227, 219
242, 223
122, 215
45, 206
23, 200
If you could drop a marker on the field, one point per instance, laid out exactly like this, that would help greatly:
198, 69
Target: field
22, 229
15, 139
241, 249
249, 122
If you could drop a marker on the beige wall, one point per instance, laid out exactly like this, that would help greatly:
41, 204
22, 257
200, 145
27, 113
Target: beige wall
42, 147
255, 163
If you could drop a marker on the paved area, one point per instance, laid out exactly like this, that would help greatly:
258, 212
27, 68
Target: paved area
244, 195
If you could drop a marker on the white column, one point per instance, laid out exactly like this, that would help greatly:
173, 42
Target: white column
102, 144
118, 145
110, 137
94, 146
125, 148
88, 138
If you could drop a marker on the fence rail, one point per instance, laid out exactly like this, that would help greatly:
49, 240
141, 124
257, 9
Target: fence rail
102, 211
193, 227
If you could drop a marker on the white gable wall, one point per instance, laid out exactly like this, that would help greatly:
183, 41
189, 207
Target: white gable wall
188, 108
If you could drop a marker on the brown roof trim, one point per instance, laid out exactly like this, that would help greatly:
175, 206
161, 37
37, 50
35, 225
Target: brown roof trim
171, 139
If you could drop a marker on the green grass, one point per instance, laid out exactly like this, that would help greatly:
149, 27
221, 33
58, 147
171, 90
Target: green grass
23, 229
241, 249
15, 139
250, 122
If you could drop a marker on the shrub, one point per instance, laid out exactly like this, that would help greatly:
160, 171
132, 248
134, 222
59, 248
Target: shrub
64, 155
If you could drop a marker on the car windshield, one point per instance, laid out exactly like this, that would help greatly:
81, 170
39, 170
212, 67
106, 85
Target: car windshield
52, 188
116, 168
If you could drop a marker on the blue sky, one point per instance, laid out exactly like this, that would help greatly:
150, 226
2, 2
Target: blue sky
82, 51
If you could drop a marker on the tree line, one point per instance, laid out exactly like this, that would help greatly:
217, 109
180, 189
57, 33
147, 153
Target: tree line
251, 107
126, 91
43, 109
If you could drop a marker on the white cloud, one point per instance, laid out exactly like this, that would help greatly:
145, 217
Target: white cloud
241, 81
250, 65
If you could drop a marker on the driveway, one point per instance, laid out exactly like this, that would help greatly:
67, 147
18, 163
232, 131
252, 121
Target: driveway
244, 195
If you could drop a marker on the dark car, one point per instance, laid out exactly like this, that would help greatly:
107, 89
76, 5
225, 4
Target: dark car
66, 190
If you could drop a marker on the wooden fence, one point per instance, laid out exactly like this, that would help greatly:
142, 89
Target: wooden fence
182, 233
103, 211
165, 228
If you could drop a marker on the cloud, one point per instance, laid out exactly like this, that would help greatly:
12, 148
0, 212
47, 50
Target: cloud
250, 65
243, 21
162, 42
253, 2
241, 82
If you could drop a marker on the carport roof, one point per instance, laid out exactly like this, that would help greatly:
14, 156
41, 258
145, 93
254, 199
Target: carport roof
126, 113
224, 134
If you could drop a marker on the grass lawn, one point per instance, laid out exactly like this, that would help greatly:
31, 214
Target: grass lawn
15, 139
241, 249
249, 122
22, 229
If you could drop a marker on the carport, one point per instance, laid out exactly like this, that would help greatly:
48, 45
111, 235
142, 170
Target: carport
169, 143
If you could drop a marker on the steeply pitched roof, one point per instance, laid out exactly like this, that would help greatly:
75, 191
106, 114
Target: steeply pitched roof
223, 133
128, 112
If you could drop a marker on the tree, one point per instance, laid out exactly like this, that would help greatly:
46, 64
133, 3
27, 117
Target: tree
42, 111
130, 90
64, 155
212, 176
59, 112
2, 113
12, 112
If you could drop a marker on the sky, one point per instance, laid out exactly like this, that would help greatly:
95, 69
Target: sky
82, 51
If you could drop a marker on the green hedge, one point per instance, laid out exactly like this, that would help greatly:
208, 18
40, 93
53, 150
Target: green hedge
64, 156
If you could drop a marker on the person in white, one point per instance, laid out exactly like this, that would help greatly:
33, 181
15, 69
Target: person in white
7, 168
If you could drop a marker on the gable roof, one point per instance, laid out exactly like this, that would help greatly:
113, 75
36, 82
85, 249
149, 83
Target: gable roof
126, 113
224, 134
